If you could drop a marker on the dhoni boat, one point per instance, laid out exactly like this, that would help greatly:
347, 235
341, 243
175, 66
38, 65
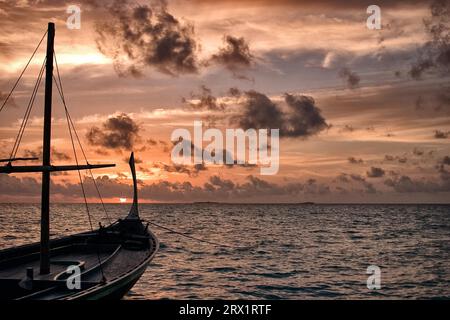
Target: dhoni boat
102, 263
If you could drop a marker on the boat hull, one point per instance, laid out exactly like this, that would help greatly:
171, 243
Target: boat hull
112, 258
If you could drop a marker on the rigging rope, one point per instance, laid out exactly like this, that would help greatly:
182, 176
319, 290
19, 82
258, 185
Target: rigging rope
21, 74
190, 237
70, 123
27, 113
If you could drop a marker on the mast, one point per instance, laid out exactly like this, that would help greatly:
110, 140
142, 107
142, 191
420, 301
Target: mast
45, 200
46, 167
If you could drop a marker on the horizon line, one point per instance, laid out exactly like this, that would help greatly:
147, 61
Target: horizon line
306, 203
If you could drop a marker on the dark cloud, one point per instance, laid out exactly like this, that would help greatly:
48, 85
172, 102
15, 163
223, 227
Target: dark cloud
343, 177
234, 92
353, 160
438, 134
118, 132
259, 112
351, 78
347, 128
302, 118
400, 159
446, 160
405, 184
434, 56
357, 177
375, 172
235, 56
368, 187
26, 186
37, 153
297, 117
147, 36
206, 100
191, 171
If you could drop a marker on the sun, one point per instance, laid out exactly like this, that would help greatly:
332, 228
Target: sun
122, 200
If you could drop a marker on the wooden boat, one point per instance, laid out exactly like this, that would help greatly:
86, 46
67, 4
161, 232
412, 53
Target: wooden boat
99, 264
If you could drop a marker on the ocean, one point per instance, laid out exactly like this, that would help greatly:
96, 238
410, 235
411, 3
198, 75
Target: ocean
272, 251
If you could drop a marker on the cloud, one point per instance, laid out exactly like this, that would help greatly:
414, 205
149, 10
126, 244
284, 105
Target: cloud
368, 187
117, 132
297, 117
446, 161
434, 56
215, 188
375, 172
438, 134
259, 112
400, 159
343, 177
353, 160
191, 171
205, 100
235, 56
26, 186
37, 153
302, 118
148, 36
405, 184
347, 128
351, 78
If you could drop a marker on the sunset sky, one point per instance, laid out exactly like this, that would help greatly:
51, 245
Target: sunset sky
364, 115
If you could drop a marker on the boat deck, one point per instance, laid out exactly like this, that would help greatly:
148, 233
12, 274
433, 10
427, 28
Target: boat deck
58, 265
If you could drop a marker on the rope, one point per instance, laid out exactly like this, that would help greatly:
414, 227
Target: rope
27, 113
21, 74
190, 237
61, 93
76, 161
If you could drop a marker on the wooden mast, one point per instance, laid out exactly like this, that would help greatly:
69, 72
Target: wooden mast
46, 167
45, 200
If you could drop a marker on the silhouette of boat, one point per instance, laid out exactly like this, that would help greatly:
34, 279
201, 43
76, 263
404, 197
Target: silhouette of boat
100, 264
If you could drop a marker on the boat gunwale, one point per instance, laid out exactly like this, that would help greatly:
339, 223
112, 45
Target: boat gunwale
81, 295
